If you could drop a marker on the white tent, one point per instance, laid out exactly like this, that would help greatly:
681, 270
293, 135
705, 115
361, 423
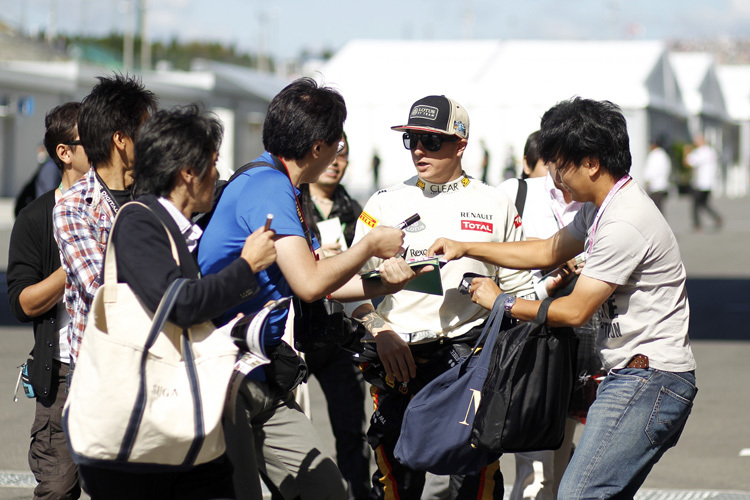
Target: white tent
505, 86
704, 99
531, 76
735, 85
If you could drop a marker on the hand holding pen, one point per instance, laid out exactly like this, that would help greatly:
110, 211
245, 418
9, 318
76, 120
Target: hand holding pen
408, 222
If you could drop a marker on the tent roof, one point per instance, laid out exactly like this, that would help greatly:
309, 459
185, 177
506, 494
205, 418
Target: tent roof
696, 74
545, 72
735, 85
633, 74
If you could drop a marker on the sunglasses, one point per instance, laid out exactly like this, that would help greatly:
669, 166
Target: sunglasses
77, 142
431, 142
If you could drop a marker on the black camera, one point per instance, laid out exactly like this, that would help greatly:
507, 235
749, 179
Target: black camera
323, 323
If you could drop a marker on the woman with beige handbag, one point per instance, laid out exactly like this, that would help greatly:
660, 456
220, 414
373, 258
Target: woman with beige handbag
135, 372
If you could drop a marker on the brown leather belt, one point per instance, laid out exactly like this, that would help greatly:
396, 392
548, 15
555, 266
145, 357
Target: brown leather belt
639, 361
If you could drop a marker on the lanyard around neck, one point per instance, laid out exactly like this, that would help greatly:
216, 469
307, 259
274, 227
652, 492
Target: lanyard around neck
612, 192
107, 195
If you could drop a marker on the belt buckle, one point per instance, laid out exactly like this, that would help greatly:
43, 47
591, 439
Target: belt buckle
639, 361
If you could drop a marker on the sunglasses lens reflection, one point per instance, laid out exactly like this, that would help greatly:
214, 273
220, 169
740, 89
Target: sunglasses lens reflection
431, 142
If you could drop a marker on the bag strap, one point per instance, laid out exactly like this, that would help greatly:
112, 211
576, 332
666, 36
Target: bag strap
110, 257
521, 196
541, 315
492, 325
195, 390
160, 318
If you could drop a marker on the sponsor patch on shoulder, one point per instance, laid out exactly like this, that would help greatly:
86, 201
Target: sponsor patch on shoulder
517, 221
368, 219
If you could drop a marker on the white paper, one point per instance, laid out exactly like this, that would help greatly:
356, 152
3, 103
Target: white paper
331, 232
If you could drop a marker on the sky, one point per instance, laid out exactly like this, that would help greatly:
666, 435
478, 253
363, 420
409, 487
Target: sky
284, 29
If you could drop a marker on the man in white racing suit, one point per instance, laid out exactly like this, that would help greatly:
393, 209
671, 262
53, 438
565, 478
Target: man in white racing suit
416, 336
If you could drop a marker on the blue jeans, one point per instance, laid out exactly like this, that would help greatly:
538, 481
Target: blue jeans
637, 416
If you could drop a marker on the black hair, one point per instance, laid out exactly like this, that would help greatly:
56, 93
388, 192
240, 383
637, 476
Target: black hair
574, 129
170, 141
301, 114
116, 104
531, 152
60, 127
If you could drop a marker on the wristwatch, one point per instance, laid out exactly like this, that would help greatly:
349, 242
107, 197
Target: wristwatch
510, 300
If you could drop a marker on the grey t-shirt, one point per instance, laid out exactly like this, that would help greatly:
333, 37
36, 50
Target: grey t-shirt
648, 313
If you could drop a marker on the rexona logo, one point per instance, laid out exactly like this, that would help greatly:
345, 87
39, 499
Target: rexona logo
476, 225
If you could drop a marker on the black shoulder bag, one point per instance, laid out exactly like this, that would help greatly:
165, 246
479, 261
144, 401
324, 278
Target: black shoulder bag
527, 391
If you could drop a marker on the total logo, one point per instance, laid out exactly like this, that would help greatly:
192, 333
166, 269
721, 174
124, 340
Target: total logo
477, 225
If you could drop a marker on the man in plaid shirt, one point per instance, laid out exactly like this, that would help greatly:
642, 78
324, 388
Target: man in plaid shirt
108, 122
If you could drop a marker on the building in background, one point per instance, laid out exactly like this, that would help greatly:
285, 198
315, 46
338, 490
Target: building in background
508, 85
35, 77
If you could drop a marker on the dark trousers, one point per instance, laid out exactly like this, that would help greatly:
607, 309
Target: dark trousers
49, 458
700, 204
392, 480
211, 481
658, 198
344, 389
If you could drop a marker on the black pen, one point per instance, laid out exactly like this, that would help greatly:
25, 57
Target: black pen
408, 222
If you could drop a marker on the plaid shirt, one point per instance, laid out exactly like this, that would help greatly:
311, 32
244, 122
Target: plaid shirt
82, 221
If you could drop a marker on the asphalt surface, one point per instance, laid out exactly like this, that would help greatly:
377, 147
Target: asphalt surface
712, 459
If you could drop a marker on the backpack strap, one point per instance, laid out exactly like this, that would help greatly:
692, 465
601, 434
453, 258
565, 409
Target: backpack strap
521, 196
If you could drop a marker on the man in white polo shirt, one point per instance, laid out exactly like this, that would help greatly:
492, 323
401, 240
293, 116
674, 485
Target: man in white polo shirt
633, 274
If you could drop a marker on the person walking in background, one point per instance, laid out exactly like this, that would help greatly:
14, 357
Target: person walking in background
36, 283
375, 170
704, 163
657, 171
108, 122
327, 202
47, 176
485, 162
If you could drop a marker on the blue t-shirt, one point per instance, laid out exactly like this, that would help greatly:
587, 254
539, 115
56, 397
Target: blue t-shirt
242, 209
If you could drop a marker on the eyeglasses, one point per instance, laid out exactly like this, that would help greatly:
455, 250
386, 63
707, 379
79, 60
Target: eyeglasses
342, 147
431, 142
341, 159
77, 142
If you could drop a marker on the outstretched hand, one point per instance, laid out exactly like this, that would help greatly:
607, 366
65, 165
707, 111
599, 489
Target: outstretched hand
484, 291
450, 249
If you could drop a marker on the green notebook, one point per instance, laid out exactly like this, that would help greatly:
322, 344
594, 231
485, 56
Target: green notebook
429, 282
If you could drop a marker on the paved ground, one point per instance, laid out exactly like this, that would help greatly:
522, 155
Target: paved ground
712, 459
707, 462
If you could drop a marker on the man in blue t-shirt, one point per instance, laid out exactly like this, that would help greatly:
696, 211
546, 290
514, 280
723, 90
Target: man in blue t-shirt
301, 134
